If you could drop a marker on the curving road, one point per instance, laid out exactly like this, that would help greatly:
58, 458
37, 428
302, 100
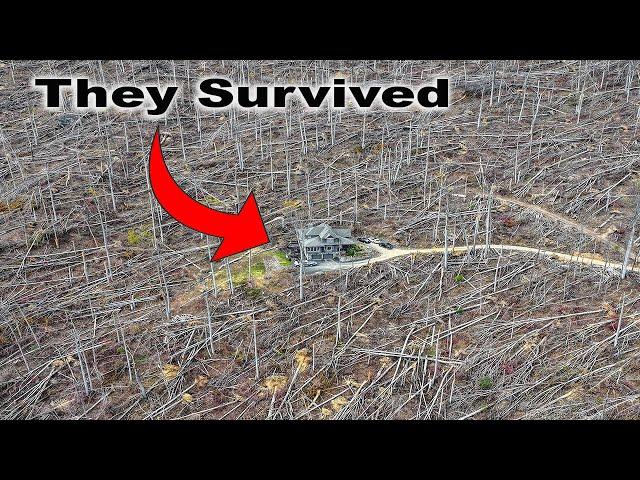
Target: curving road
585, 259
386, 255
567, 221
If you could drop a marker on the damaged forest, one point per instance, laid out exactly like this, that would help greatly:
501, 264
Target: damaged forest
110, 309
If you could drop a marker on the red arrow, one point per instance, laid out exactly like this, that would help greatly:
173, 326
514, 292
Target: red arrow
239, 232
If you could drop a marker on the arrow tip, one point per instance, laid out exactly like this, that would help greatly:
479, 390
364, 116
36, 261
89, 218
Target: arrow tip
247, 231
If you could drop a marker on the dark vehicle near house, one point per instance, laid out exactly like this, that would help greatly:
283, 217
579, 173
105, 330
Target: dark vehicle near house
293, 250
364, 239
387, 245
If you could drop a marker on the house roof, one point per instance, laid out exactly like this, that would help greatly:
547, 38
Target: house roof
316, 236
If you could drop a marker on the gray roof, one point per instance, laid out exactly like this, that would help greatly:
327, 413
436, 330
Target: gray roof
315, 236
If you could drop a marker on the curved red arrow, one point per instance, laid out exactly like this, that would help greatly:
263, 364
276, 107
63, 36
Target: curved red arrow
239, 232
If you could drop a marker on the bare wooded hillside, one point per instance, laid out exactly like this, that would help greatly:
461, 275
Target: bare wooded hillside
109, 309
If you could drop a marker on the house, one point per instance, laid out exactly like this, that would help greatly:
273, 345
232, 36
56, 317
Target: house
323, 242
